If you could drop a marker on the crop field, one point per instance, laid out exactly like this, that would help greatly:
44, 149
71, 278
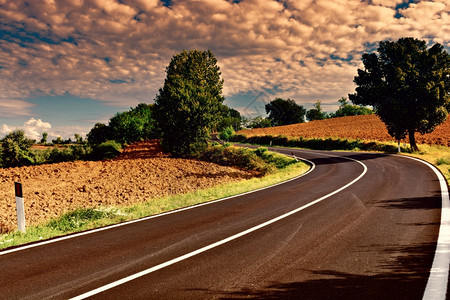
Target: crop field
368, 127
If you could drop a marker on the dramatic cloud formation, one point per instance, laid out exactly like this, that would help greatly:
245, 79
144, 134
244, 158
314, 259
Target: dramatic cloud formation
116, 51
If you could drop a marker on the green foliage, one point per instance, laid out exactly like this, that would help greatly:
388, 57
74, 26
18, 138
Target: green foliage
58, 141
258, 122
285, 112
189, 102
317, 143
259, 160
137, 124
15, 149
407, 85
226, 133
229, 118
347, 109
106, 150
443, 161
44, 138
99, 133
316, 113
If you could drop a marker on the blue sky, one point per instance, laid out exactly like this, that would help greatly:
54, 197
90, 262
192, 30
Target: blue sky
66, 65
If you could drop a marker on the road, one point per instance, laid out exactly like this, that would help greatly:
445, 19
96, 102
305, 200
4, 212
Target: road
358, 226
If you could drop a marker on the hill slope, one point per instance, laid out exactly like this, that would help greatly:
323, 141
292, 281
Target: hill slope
368, 127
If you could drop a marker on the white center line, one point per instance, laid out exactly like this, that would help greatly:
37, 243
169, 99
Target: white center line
216, 244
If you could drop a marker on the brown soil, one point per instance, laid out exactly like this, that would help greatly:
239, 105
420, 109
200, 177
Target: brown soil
368, 127
143, 171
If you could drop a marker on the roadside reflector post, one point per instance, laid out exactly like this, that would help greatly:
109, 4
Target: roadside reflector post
399, 150
20, 206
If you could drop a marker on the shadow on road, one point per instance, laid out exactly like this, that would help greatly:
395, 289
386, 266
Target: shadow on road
404, 278
433, 202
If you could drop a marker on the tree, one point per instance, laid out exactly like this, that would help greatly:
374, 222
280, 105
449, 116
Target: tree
316, 113
259, 122
229, 118
189, 102
407, 85
285, 112
100, 133
15, 150
347, 109
134, 125
44, 138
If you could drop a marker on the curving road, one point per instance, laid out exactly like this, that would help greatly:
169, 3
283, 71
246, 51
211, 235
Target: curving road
358, 226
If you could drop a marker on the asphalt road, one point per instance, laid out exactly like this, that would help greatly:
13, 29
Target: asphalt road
358, 226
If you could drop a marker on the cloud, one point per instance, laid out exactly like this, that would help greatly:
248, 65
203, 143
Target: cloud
34, 128
14, 108
117, 51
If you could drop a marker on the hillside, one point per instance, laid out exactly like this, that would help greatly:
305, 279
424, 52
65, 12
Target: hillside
368, 127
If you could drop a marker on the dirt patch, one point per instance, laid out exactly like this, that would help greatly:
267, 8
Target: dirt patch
143, 171
368, 127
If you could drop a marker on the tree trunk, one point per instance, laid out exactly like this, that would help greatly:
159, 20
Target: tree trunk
412, 141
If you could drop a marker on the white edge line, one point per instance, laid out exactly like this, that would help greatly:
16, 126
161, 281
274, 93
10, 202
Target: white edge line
221, 242
436, 287
75, 235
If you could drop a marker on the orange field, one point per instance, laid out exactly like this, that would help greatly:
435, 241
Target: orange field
368, 127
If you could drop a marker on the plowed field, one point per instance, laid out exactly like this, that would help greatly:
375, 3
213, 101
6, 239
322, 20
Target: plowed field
143, 171
368, 127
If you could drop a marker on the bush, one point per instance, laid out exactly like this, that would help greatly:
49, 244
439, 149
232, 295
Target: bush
226, 134
15, 150
106, 150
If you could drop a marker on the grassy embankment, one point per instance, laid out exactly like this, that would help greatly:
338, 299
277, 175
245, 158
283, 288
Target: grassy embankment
275, 168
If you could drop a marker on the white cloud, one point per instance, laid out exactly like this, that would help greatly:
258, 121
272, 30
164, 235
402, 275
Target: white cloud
35, 128
117, 52
4, 130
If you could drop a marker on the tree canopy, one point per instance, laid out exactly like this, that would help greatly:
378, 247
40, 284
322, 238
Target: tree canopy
346, 109
285, 112
189, 102
316, 113
407, 85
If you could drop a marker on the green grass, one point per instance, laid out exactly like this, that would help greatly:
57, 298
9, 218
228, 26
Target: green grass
88, 218
436, 155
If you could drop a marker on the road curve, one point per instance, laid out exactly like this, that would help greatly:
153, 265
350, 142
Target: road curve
373, 239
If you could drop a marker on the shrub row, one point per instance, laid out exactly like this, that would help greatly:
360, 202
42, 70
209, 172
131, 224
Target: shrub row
259, 160
16, 157
316, 143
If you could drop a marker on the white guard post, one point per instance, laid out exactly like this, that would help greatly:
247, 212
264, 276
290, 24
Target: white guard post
20, 207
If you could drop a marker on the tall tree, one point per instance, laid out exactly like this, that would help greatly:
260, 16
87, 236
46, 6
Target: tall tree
316, 113
189, 101
407, 85
285, 112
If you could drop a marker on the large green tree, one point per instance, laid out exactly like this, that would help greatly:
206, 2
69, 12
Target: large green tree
285, 112
189, 102
407, 85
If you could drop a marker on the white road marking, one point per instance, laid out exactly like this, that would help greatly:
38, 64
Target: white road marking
211, 246
437, 282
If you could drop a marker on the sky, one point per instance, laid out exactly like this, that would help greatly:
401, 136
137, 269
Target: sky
66, 65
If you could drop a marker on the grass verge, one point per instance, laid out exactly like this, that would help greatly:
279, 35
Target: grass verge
277, 168
436, 155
